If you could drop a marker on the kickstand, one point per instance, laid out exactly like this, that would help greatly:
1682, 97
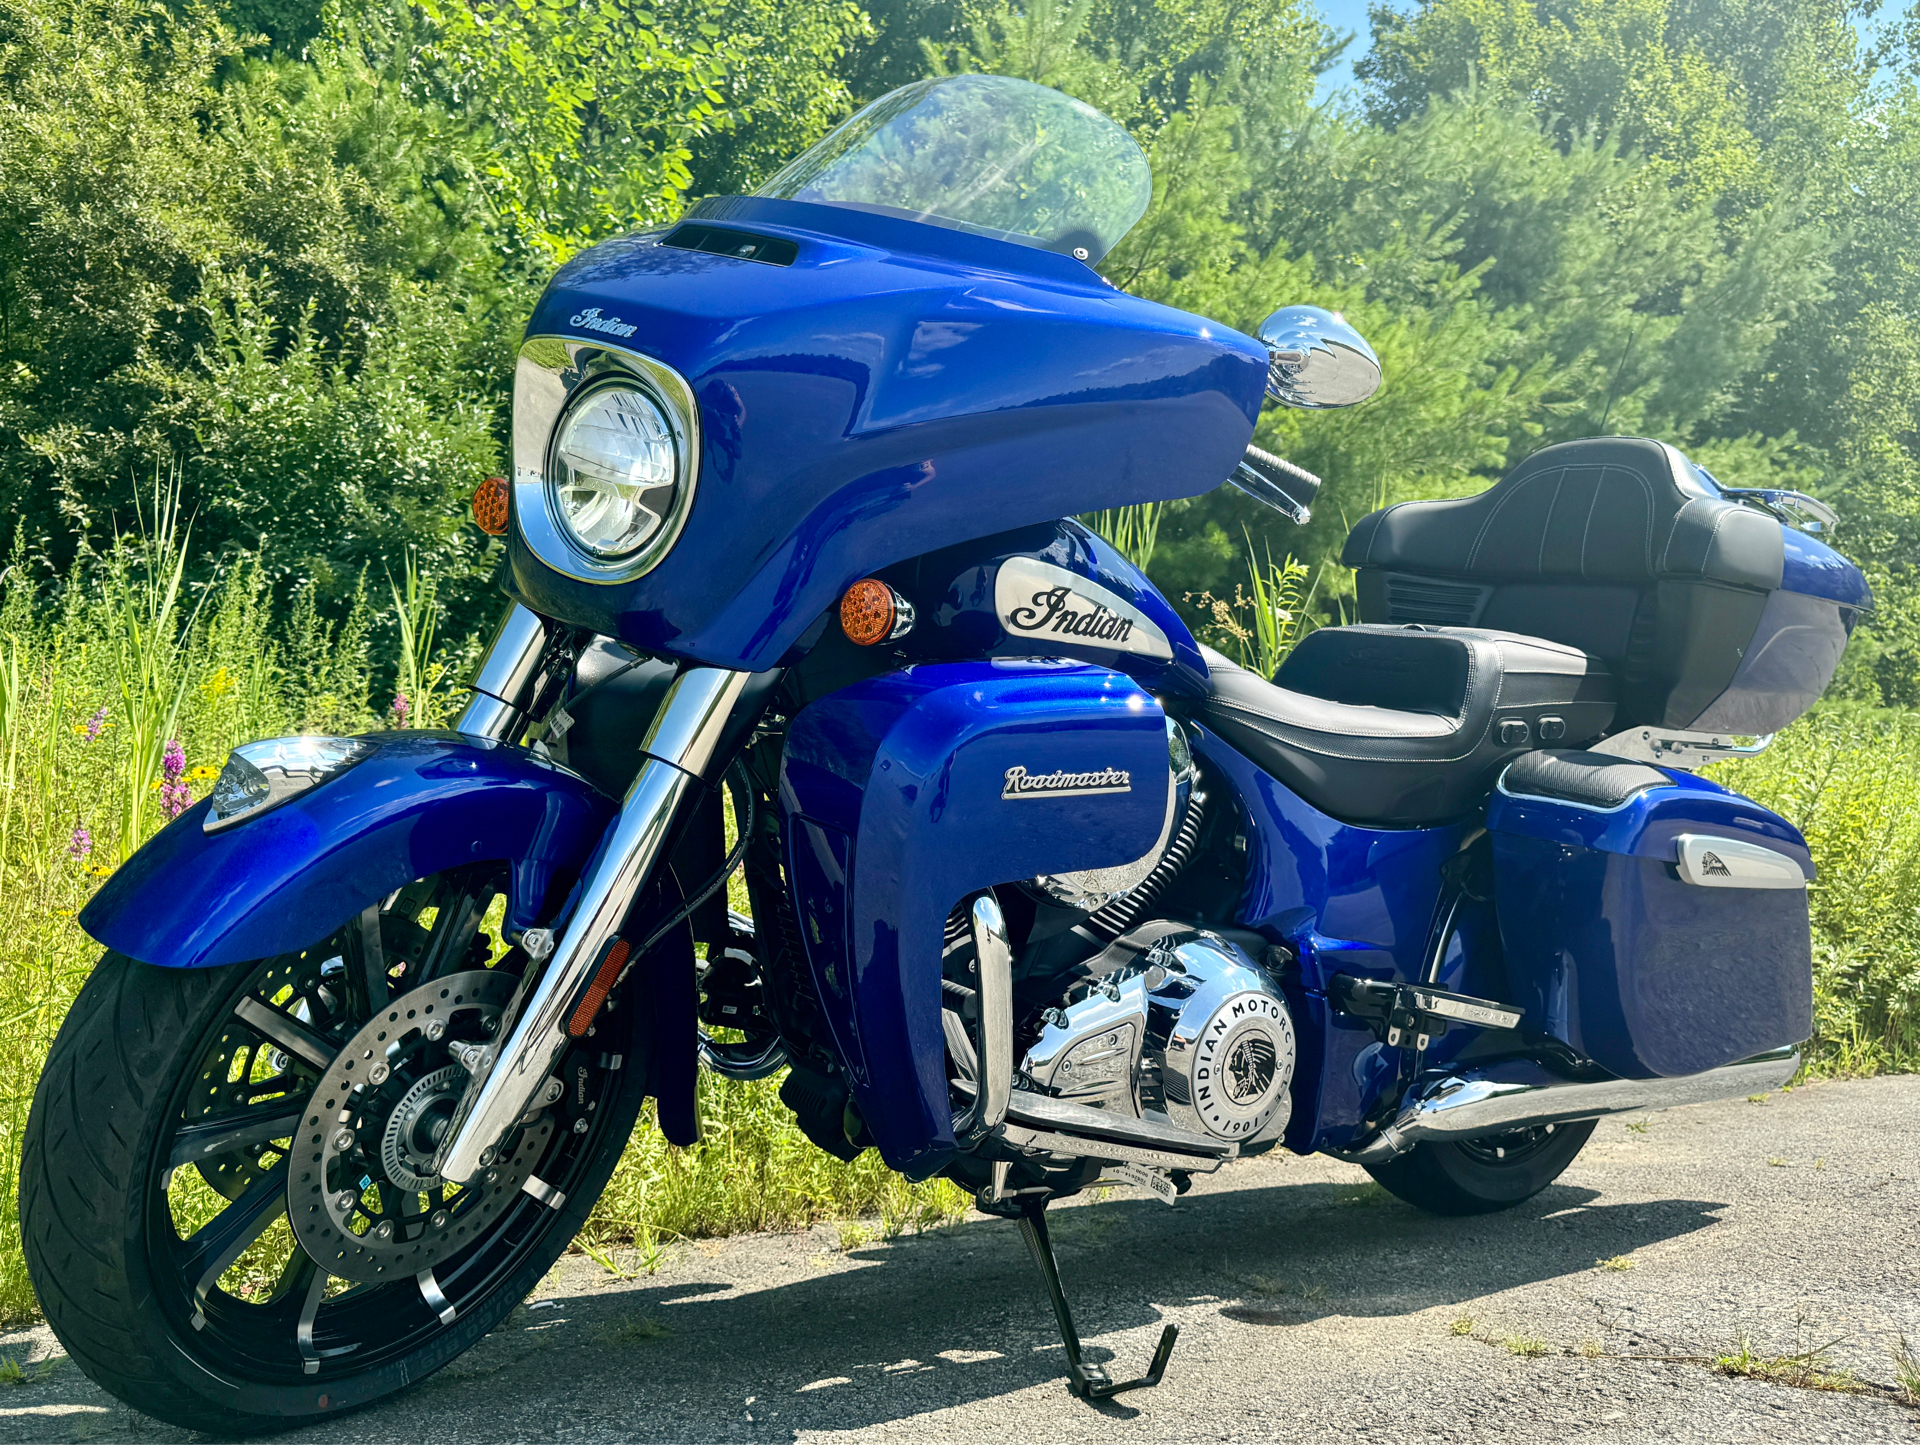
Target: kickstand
1089, 1382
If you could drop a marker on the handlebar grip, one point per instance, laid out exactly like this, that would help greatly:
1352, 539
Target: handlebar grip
1287, 488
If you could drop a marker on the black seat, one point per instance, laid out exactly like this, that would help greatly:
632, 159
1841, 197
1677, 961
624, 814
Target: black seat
1407, 726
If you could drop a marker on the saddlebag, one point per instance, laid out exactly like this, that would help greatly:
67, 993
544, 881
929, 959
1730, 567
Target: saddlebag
1652, 921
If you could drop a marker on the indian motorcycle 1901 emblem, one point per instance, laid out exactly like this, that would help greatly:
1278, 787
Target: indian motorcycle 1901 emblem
1040, 601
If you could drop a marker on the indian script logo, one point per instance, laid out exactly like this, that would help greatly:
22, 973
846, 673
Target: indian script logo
1061, 784
1040, 601
1053, 611
592, 320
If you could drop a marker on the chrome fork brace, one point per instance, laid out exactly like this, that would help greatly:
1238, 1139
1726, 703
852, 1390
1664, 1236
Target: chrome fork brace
678, 751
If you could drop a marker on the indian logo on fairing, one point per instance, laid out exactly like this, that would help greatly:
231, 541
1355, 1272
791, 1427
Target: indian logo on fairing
1040, 602
1710, 864
592, 320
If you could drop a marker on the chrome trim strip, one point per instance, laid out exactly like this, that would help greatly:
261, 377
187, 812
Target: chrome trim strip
551, 369
697, 705
1466, 1107
994, 1047
1074, 1146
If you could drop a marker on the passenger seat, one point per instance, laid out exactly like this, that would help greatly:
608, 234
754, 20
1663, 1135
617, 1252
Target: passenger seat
1408, 726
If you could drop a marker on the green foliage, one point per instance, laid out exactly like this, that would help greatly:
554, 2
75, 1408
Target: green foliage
1849, 779
590, 113
1264, 617
1134, 531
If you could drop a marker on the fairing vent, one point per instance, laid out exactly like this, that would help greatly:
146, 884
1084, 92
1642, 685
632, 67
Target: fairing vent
726, 241
1438, 603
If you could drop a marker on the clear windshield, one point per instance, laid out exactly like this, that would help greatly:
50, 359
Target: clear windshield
983, 153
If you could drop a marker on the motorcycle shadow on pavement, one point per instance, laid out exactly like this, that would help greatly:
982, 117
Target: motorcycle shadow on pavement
791, 1334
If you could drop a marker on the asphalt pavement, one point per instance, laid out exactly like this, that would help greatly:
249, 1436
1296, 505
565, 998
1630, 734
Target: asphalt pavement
1779, 1233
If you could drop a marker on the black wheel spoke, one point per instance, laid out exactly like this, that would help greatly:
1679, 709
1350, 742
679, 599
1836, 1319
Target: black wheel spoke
286, 1031
284, 1285
212, 1250
236, 1129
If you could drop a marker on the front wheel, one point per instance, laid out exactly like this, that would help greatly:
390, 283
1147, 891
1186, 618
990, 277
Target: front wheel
226, 1193
1479, 1176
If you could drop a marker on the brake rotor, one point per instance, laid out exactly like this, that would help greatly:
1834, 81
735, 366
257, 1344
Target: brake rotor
363, 1199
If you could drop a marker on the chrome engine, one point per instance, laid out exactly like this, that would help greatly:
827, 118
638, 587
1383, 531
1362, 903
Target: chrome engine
1178, 1024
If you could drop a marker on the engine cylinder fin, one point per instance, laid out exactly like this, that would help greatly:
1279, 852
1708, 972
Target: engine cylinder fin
1118, 916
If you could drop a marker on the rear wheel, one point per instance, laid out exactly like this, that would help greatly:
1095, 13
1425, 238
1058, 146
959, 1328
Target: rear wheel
1479, 1176
227, 1197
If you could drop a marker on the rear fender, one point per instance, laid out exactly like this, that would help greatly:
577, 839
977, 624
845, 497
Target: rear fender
422, 803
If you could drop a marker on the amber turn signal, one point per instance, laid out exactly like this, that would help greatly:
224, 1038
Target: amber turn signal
873, 612
490, 506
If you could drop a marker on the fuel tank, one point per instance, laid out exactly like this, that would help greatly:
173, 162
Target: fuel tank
872, 389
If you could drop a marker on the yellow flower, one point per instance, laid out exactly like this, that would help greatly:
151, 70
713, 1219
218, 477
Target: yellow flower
203, 773
100, 871
217, 684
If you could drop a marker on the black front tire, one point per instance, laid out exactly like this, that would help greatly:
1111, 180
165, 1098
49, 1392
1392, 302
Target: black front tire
102, 1250
1480, 1176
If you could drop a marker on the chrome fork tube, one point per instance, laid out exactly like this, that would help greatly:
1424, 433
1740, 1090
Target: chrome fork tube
507, 670
679, 749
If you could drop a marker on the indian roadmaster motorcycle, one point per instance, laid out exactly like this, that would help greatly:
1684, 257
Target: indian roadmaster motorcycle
1043, 892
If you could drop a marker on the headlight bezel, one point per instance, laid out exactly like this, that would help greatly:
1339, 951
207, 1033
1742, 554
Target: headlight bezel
554, 374
258, 777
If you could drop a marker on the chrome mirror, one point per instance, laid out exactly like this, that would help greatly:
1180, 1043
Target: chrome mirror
1315, 360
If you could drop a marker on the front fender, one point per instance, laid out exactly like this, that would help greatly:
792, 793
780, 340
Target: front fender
422, 803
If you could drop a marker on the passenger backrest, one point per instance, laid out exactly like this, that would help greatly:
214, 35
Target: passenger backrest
1614, 545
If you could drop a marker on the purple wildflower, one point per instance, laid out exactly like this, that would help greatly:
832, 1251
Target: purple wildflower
81, 844
174, 794
401, 707
96, 722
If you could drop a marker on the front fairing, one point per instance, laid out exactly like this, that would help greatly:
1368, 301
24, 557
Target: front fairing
896, 388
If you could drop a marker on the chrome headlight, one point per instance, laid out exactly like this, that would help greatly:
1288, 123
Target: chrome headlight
263, 775
606, 455
615, 470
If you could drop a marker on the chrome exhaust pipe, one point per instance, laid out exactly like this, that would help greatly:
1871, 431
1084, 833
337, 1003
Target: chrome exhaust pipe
678, 749
1470, 1106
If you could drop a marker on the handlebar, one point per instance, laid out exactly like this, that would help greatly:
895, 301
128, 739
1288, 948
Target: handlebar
1278, 483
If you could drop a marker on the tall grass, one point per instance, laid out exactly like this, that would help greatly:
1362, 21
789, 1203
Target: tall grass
1134, 530
122, 668
1850, 780
1265, 616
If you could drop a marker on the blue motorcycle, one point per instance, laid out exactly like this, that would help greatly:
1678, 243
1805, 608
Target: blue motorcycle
1043, 893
